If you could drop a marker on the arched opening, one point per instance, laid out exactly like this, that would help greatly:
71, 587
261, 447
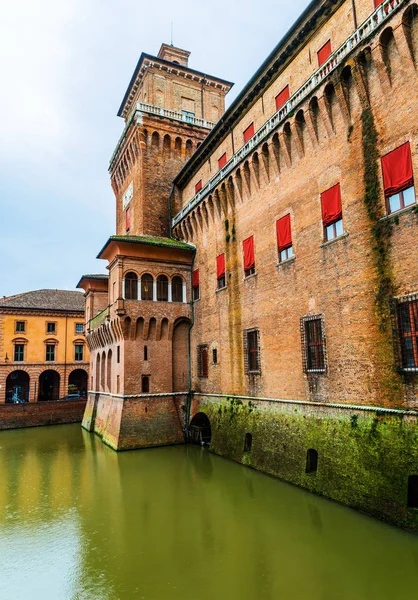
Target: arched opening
347, 86
155, 141
49, 386
189, 148
314, 111
200, 430
167, 145
97, 386
311, 461
17, 387
109, 371
300, 128
389, 52
248, 442
152, 329
410, 28
147, 282
131, 286
162, 288
177, 147
177, 289
103, 369
413, 491
287, 136
180, 353
145, 384
331, 103
77, 383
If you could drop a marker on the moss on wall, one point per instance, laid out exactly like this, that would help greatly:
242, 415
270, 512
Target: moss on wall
364, 459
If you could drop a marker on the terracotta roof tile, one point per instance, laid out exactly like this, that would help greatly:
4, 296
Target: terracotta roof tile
65, 300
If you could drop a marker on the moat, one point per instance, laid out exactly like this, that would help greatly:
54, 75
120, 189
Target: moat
81, 521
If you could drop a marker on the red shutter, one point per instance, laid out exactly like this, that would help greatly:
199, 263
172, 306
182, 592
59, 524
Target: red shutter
324, 53
331, 205
248, 133
397, 170
249, 261
198, 186
282, 98
195, 281
284, 233
377, 3
220, 266
222, 161
128, 219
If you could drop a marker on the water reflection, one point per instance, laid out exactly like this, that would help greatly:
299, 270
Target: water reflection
78, 520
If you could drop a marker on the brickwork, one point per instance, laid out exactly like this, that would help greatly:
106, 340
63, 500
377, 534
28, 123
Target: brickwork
16, 416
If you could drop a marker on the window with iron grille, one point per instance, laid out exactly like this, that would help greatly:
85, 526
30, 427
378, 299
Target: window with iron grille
252, 351
203, 361
408, 333
79, 328
19, 352
313, 340
50, 352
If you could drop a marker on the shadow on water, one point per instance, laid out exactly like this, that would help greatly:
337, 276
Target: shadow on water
81, 521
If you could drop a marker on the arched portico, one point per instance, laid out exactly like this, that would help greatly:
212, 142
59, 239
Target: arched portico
49, 385
77, 382
17, 387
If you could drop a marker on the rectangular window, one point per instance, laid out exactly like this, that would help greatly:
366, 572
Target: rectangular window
398, 178
332, 212
220, 271
248, 133
78, 352
408, 330
145, 384
196, 284
51, 327
50, 352
20, 326
145, 352
324, 53
118, 354
249, 259
19, 353
198, 187
314, 344
215, 356
284, 238
252, 351
79, 328
128, 219
282, 98
222, 161
202, 361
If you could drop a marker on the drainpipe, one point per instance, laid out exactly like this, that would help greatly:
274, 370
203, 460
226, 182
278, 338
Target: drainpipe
170, 231
353, 4
65, 356
189, 354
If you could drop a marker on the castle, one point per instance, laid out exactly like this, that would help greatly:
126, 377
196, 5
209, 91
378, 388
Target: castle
263, 278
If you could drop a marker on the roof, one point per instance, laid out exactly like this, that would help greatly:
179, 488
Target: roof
147, 240
97, 276
145, 56
296, 37
61, 300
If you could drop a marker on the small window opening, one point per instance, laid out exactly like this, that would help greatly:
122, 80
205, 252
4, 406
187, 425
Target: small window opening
311, 461
118, 354
145, 384
413, 491
248, 442
215, 356
145, 352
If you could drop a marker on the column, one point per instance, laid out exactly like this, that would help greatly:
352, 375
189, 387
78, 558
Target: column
184, 293
154, 290
170, 298
139, 294
123, 289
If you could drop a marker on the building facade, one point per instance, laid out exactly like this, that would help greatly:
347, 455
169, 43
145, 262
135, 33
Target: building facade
43, 350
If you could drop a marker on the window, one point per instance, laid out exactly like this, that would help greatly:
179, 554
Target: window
251, 351
50, 352
408, 330
332, 213
128, 219
195, 284
248, 442
131, 286
314, 344
177, 289
220, 271
222, 161
202, 361
282, 98
198, 187
284, 238
215, 356
51, 327
20, 326
145, 352
249, 260
78, 352
79, 328
118, 354
162, 288
398, 178
248, 133
324, 53
147, 284
311, 461
412, 491
19, 352
145, 384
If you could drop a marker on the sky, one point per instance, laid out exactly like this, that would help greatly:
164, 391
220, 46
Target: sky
65, 68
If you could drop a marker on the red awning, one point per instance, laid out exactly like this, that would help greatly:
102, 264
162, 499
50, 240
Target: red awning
220, 266
397, 170
222, 161
249, 261
331, 205
283, 97
324, 53
284, 233
248, 133
195, 278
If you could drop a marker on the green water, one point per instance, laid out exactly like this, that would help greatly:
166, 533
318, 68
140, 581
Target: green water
80, 521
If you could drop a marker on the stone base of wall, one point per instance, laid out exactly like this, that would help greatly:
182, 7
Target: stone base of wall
131, 423
364, 457
35, 414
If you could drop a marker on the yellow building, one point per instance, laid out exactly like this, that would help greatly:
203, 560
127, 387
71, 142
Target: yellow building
43, 351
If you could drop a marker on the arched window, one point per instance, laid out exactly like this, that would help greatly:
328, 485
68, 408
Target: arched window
177, 289
131, 286
162, 288
311, 461
147, 282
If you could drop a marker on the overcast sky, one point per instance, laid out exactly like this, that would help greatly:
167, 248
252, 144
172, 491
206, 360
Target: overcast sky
65, 67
